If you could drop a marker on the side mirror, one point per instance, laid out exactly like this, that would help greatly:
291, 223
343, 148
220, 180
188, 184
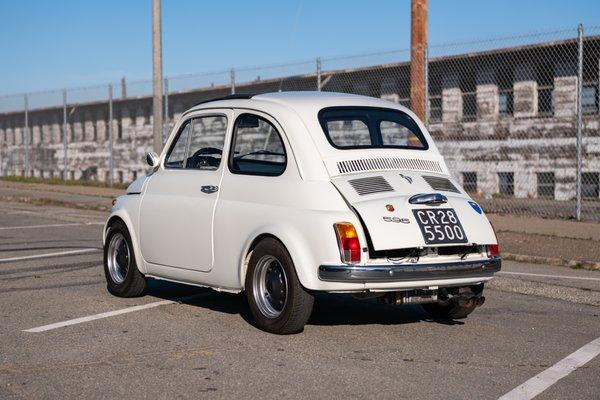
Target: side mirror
152, 160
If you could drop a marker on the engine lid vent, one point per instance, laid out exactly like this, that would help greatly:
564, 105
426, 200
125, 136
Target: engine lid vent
438, 183
370, 185
387, 163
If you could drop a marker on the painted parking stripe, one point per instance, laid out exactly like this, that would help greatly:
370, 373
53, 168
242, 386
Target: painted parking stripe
49, 226
583, 278
48, 255
550, 376
107, 314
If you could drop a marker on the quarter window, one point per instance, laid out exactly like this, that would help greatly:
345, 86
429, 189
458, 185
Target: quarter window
257, 147
176, 156
206, 143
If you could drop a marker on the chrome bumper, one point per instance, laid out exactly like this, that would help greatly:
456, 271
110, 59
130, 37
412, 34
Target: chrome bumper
409, 272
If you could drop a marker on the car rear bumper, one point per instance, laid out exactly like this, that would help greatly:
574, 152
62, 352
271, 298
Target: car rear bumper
409, 272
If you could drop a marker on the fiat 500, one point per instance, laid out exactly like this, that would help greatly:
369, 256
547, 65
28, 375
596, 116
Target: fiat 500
286, 194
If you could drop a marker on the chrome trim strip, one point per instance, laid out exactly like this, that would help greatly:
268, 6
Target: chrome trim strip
409, 272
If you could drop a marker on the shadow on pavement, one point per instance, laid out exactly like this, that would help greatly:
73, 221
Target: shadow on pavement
328, 310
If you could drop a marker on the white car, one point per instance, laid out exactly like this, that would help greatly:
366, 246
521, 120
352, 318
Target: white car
282, 195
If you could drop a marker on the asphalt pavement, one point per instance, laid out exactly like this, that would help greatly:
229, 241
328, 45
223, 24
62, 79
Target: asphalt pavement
62, 335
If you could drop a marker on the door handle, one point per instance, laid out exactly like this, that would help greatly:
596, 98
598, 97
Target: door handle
209, 189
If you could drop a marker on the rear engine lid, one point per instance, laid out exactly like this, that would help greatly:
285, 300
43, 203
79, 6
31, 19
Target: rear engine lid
394, 221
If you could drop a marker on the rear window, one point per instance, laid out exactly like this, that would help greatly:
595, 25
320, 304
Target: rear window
365, 127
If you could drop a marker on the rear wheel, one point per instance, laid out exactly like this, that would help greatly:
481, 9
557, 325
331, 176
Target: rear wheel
123, 278
279, 304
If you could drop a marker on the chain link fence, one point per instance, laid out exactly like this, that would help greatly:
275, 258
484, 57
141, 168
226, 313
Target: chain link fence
517, 118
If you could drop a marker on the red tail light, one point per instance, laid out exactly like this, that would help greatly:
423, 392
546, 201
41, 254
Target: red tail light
348, 242
493, 250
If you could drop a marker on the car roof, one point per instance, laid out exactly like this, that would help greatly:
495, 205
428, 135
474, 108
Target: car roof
296, 100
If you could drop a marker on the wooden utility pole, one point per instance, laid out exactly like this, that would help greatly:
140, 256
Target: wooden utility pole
418, 43
157, 99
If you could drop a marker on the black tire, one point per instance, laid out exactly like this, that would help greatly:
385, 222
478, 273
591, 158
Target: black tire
298, 304
451, 310
134, 282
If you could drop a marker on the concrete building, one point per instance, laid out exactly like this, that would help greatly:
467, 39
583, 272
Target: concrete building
505, 119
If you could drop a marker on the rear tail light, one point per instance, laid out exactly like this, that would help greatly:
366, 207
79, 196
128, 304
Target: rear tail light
493, 250
348, 241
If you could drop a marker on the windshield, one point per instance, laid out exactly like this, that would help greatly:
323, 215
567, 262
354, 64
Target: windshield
367, 127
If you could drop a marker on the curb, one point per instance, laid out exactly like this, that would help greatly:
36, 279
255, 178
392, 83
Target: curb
558, 262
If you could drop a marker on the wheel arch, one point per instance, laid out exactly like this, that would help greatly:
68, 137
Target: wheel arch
122, 216
294, 245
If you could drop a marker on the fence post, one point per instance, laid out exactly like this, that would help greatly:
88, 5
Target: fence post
26, 135
319, 74
579, 118
232, 80
65, 163
110, 136
166, 112
426, 66
123, 88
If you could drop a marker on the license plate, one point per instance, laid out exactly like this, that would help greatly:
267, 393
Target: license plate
440, 226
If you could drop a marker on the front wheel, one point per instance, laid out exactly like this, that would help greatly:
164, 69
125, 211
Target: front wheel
123, 278
277, 300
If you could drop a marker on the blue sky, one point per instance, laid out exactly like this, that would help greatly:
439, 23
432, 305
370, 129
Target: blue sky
48, 44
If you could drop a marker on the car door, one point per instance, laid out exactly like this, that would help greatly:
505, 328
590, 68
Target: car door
177, 210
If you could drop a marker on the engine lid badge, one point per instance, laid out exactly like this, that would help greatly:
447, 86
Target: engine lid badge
389, 207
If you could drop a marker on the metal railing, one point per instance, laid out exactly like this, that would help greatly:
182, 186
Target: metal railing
516, 118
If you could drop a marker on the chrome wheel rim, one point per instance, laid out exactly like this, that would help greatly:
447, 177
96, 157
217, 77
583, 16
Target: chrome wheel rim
118, 258
270, 286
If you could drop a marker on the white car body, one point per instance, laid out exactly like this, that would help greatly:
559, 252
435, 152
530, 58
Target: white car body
179, 233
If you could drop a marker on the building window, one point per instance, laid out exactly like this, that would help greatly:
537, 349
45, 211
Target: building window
506, 183
589, 99
505, 103
435, 109
469, 106
545, 184
470, 181
546, 101
590, 185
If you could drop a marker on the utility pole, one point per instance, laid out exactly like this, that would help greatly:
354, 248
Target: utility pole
418, 46
157, 77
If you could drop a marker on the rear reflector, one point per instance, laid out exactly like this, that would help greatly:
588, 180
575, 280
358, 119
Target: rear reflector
348, 241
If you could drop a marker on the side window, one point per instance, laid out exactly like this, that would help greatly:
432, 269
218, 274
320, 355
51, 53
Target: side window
206, 143
176, 156
257, 148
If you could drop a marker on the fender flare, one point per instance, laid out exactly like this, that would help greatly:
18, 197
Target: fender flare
123, 216
293, 242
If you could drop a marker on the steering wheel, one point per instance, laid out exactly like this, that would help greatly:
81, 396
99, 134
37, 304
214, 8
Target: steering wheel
200, 159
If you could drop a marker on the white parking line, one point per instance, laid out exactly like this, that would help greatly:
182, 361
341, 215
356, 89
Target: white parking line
549, 377
49, 225
47, 255
108, 314
583, 278
98, 316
